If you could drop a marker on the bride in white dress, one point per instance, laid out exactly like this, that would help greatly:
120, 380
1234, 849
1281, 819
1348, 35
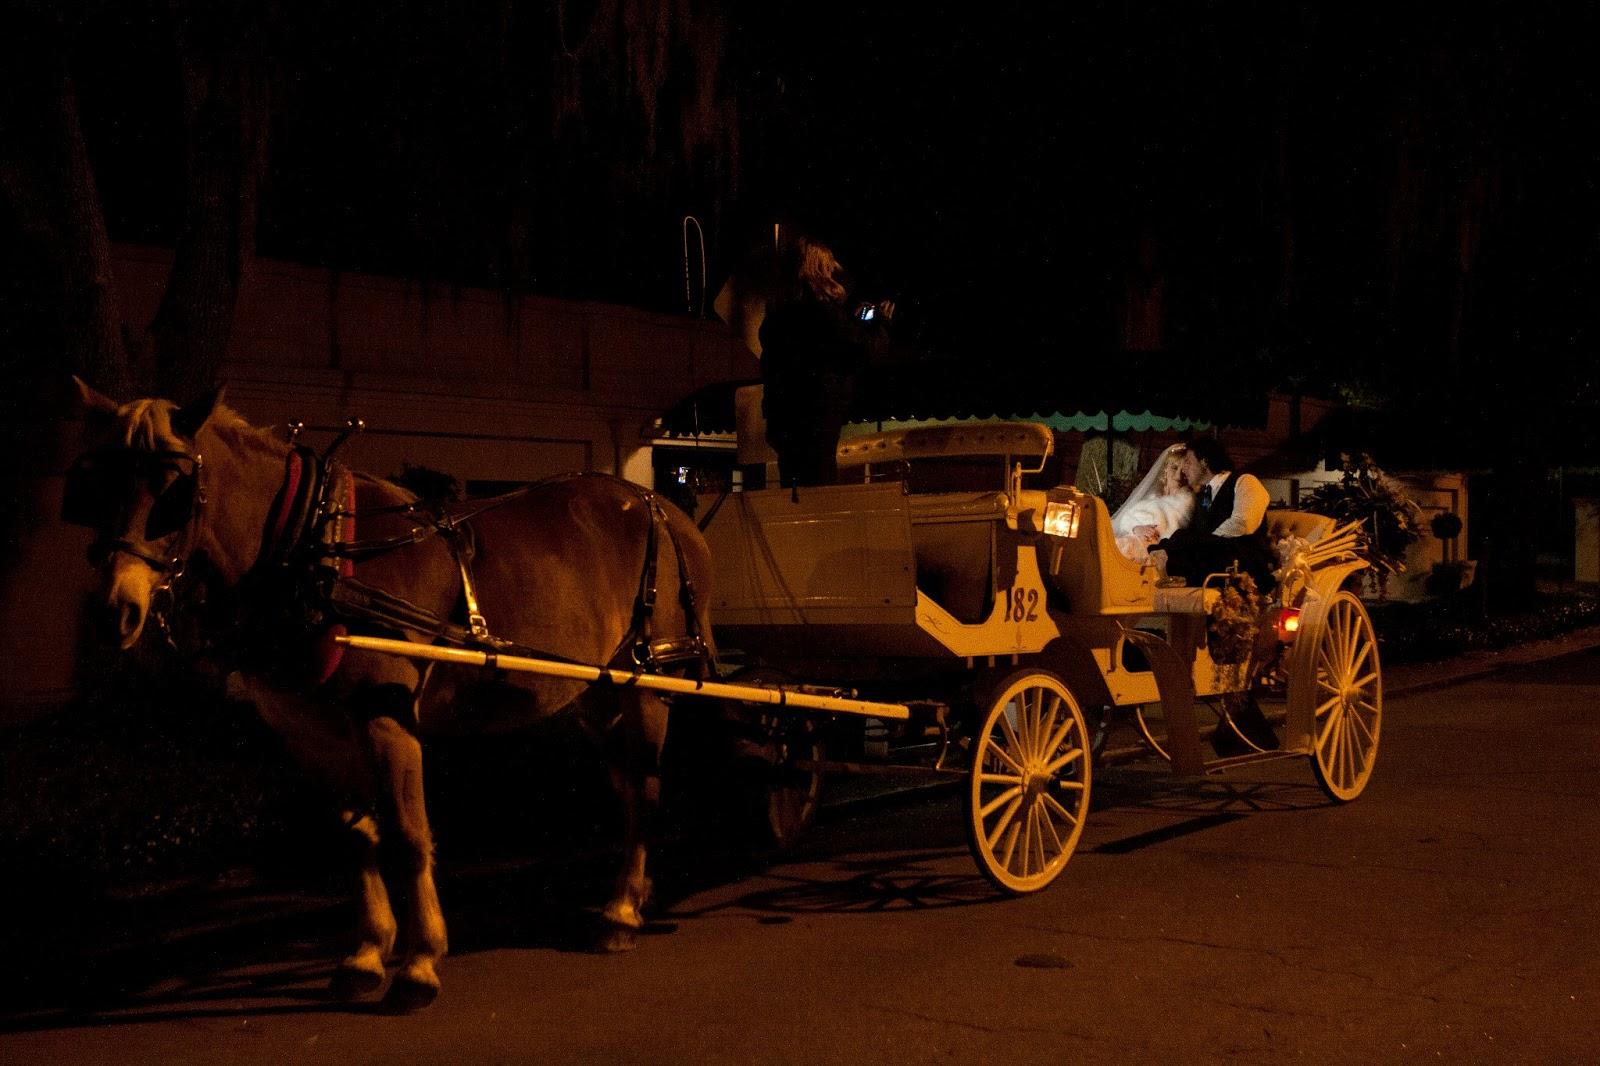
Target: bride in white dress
1157, 507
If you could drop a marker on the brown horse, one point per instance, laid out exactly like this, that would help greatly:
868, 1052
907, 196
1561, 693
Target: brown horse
556, 568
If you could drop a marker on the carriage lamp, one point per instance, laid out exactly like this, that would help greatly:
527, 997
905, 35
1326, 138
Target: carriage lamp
1288, 623
1061, 518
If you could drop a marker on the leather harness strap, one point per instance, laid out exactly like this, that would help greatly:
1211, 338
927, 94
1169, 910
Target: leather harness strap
637, 650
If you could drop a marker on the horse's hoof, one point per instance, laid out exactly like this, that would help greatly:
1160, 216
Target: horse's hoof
407, 995
350, 983
617, 938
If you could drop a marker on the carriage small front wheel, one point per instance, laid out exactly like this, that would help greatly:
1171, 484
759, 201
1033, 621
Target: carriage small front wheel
1028, 793
1348, 694
793, 751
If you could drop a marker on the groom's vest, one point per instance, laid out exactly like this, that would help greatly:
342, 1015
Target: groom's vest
1207, 519
1253, 551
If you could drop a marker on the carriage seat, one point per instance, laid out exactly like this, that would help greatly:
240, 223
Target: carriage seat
1303, 524
953, 537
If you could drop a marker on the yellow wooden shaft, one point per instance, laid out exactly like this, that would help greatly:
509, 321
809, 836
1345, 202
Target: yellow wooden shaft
577, 672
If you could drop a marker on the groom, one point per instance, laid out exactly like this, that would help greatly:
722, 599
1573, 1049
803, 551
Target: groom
1227, 525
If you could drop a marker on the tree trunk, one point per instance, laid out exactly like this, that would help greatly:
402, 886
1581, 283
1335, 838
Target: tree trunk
225, 88
61, 267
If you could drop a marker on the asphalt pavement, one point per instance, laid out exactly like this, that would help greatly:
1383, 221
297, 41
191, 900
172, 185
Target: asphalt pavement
234, 917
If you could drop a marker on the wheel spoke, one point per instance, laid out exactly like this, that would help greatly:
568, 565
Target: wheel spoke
1366, 653
1024, 726
1047, 726
1324, 707
1337, 754
1367, 680
1012, 743
1366, 733
1050, 827
1007, 820
1327, 729
999, 779
1025, 852
995, 804
1059, 736
1352, 757
1071, 756
1357, 744
1038, 820
1011, 845
1055, 805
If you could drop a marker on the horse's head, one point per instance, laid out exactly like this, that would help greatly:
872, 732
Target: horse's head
138, 487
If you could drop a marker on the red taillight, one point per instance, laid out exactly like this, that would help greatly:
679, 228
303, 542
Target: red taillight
1288, 623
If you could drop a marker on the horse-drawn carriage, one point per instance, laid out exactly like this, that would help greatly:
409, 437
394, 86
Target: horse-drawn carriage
999, 635
994, 627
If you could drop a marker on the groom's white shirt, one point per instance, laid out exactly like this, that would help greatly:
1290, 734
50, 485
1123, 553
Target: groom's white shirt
1250, 500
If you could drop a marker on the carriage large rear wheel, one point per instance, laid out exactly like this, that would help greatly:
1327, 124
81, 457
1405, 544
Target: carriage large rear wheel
1028, 794
1348, 693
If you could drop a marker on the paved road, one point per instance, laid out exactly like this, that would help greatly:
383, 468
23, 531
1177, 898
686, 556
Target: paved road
1449, 915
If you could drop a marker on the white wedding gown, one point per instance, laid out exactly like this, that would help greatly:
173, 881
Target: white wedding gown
1146, 507
1167, 513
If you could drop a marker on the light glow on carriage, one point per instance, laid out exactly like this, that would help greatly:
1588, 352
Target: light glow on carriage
1288, 623
1061, 518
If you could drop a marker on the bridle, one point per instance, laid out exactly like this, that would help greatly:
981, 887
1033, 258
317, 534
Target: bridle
176, 509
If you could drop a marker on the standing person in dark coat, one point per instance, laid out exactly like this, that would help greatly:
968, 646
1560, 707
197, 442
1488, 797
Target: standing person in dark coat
813, 343
1228, 524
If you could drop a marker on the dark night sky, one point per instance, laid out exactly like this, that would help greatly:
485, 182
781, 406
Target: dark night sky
1301, 181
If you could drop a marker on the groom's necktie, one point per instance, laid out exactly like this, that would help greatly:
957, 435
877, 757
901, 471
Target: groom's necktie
1205, 498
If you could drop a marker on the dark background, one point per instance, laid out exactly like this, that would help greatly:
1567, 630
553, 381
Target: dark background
1133, 203
1373, 203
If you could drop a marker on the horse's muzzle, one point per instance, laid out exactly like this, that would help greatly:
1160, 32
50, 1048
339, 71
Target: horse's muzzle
121, 622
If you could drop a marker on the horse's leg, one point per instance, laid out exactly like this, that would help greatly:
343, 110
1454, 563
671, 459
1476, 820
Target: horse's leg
322, 739
397, 761
361, 972
636, 773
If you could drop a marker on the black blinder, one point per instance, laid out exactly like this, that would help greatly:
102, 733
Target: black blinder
98, 484
172, 508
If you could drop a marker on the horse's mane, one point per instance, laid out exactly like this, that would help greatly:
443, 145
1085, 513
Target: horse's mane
146, 424
241, 436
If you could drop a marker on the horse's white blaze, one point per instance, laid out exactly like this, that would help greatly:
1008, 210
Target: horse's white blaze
133, 582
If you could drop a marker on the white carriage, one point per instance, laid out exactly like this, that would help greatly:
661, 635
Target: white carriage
1021, 640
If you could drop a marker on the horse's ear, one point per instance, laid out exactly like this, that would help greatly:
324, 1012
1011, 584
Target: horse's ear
187, 420
90, 402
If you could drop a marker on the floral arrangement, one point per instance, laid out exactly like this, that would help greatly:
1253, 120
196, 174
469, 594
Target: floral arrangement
1294, 567
1391, 520
1233, 621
